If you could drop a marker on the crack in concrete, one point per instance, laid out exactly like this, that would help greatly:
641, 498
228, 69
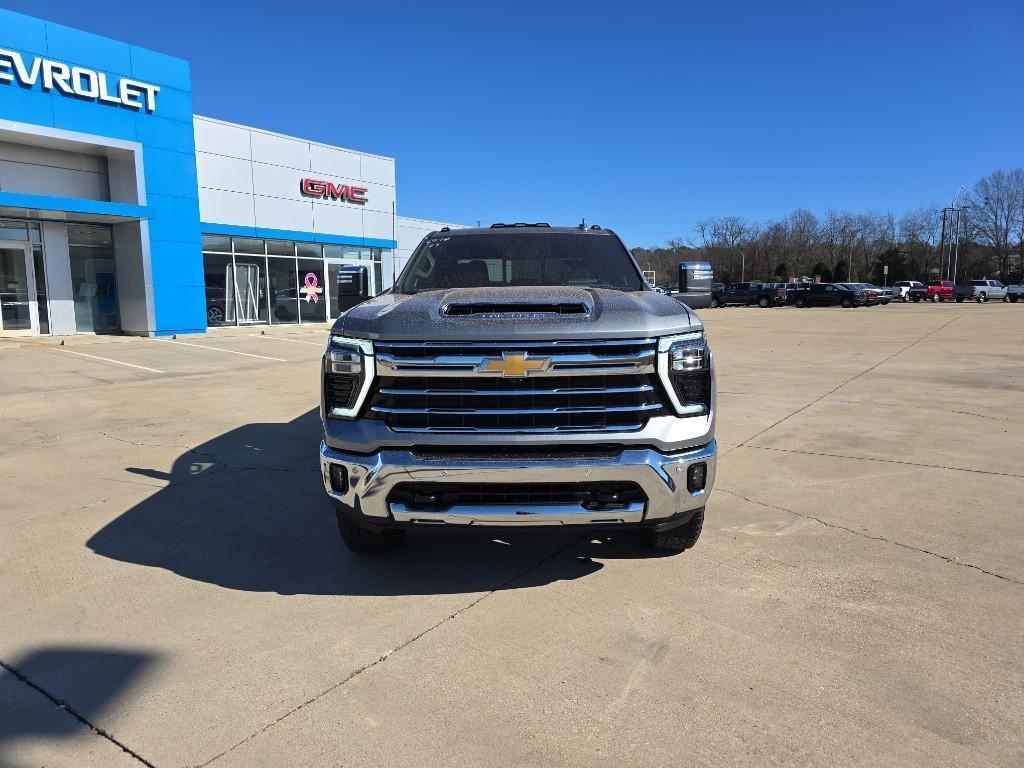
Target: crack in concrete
835, 389
836, 526
387, 654
138, 444
61, 704
881, 460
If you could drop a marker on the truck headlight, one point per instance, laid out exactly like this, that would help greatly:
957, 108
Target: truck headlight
348, 373
684, 364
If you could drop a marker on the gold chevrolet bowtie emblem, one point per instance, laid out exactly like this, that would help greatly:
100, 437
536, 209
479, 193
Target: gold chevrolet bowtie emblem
516, 364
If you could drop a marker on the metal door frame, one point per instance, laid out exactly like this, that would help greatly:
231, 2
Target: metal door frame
33, 299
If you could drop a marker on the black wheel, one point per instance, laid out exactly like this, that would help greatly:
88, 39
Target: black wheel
801, 302
846, 303
714, 303
1005, 299
1014, 299
763, 302
982, 297
678, 539
959, 301
360, 539
214, 315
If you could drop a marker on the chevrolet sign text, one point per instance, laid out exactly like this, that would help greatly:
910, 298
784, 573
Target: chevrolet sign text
76, 81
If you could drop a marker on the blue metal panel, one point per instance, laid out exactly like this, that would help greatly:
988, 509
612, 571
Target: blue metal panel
174, 104
29, 33
88, 50
73, 205
75, 114
156, 131
210, 228
182, 309
25, 105
170, 173
175, 219
177, 267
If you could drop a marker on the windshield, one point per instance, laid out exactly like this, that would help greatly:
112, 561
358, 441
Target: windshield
518, 259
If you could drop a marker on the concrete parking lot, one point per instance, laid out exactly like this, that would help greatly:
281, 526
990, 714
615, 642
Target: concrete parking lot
174, 592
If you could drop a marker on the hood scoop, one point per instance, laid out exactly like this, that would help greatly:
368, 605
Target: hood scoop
498, 309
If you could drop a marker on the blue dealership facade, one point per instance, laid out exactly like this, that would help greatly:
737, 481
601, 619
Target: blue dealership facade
122, 211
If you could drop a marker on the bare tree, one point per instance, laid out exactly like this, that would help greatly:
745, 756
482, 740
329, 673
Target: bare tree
996, 207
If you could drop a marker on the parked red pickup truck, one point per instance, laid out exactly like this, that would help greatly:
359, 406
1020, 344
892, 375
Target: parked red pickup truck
940, 290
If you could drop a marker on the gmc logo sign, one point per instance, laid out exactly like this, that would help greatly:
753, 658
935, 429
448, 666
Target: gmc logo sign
327, 190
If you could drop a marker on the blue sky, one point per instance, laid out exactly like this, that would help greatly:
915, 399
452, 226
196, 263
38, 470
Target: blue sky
640, 116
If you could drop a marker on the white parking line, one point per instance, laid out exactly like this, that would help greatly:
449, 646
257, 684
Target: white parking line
296, 341
221, 349
104, 359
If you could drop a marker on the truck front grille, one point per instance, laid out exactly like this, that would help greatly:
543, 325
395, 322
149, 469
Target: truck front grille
572, 386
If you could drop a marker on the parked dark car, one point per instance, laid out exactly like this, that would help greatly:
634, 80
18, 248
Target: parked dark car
830, 295
872, 295
745, 294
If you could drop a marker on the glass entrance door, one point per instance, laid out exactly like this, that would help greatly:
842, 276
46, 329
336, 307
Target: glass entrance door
19, 312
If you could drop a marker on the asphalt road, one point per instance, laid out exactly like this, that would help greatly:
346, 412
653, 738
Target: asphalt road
174, 592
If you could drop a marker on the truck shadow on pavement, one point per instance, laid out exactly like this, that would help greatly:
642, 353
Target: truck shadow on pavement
47, 693
247, 511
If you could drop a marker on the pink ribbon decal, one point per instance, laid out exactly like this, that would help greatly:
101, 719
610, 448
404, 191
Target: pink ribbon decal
311, 288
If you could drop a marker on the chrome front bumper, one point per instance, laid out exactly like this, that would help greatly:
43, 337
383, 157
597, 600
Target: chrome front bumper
661, 476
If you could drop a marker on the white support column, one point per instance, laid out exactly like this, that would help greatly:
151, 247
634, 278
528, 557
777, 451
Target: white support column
58, 278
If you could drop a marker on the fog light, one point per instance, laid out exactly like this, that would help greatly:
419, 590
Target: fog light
339, 478
696, 477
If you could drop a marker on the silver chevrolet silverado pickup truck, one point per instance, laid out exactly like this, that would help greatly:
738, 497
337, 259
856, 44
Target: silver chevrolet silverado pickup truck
520, 376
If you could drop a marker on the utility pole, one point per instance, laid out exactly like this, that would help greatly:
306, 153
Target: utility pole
942, 245
743, 267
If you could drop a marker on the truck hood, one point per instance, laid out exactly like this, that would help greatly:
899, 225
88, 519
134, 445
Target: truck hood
534, 313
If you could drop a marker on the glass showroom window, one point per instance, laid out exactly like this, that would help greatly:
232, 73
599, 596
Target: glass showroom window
312, 301
253, 281
93, 280
283, 290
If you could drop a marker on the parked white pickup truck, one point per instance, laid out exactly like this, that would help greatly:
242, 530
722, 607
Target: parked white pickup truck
981, 291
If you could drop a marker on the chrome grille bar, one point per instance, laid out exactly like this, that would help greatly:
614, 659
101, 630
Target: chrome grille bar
517, 411
459, 365
510, 345
519, 393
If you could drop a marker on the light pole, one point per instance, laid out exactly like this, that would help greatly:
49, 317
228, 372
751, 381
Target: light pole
956, 231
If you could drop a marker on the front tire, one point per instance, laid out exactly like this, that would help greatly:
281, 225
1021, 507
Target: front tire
678, 539
763, 302
982, 298
367, 540
715, 304
847, 303
801, 303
